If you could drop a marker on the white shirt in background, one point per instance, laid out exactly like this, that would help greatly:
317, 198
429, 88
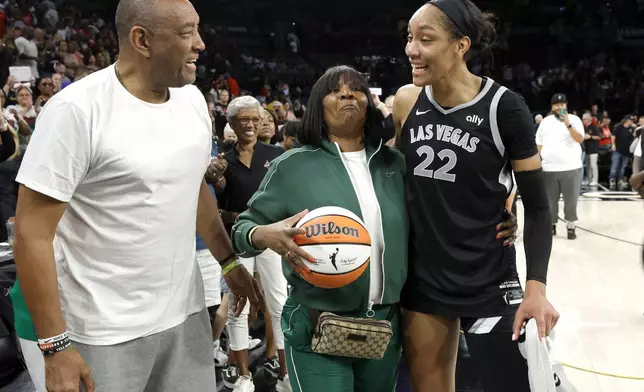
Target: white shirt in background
638, 147
560, 152
130, 172
357, 166
29, 48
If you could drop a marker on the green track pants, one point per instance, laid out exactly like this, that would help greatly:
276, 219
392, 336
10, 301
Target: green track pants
311, 372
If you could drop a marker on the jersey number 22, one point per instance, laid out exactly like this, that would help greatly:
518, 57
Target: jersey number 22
440, 174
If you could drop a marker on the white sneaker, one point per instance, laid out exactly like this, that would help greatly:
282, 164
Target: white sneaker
219, 354
283, 385
253, 343
244, 384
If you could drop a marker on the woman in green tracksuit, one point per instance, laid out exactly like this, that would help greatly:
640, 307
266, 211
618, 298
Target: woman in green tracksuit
338, 166
342, 163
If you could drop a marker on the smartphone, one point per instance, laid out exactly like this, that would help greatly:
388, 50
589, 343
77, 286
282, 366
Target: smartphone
376, 90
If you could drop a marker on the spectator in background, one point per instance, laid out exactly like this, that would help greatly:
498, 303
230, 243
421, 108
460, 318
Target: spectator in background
221, 106
9, 150
278, 111
27, 49
24, 114
637, 152
60, 69
288, 108
268, 130
232, 84
606, 141
7, 142
558, 139
247, 164
593, 134
622, 138
3, 21
224, 98
47, 90
289, 135
298, 109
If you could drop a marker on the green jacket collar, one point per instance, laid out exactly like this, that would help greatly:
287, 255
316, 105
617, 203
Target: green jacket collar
333, 148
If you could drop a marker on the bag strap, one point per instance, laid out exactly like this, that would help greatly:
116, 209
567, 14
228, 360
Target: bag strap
392, 311
314, 315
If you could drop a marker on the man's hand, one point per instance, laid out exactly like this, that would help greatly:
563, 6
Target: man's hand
566, 120
536, 306
66, 370
217, 168
242, 284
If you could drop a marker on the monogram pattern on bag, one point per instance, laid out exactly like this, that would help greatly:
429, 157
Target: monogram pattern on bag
351, 337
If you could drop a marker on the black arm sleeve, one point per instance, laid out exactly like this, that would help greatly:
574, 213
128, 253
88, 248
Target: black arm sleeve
8, 147
537, 235
517, 130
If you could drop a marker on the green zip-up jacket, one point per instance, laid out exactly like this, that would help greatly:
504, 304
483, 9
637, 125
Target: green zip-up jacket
310, 178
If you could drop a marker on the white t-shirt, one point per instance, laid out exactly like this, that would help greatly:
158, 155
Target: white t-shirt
560, 152
638, 147
358, 167
130, 172
29, 48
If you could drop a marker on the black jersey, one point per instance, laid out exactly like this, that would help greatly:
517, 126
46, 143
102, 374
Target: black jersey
458, 179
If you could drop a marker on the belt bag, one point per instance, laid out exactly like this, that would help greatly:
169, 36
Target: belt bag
351, 337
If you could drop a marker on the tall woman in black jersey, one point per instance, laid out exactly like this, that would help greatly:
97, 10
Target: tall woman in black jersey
462, 135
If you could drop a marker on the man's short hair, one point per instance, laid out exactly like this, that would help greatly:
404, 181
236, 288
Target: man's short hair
130, 13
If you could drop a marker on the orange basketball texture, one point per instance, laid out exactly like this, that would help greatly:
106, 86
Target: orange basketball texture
333, 230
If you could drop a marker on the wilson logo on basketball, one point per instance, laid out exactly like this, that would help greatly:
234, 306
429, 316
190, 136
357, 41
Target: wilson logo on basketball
330, 229
340, 244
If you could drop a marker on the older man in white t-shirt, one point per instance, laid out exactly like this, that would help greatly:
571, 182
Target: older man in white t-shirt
559, 139
112, 191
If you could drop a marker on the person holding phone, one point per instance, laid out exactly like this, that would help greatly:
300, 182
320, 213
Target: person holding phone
559, 139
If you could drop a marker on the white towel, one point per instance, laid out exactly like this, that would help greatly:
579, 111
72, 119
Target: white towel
545, 374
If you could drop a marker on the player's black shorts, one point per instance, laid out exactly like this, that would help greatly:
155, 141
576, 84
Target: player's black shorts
486, 320
494, 299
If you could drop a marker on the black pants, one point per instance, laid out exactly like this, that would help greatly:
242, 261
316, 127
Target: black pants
497, 359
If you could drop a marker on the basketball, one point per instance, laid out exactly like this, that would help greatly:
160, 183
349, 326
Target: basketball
340, 243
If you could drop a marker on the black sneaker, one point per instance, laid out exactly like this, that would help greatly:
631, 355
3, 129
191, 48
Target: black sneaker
230, 374
554, 230
571, 234
272, 365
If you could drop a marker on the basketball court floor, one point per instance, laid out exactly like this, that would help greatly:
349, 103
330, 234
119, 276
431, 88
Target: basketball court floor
597, 285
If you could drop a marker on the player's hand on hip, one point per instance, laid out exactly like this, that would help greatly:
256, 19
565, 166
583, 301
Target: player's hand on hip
244, 287
279, 238
508, 229
535, 306
66, 370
